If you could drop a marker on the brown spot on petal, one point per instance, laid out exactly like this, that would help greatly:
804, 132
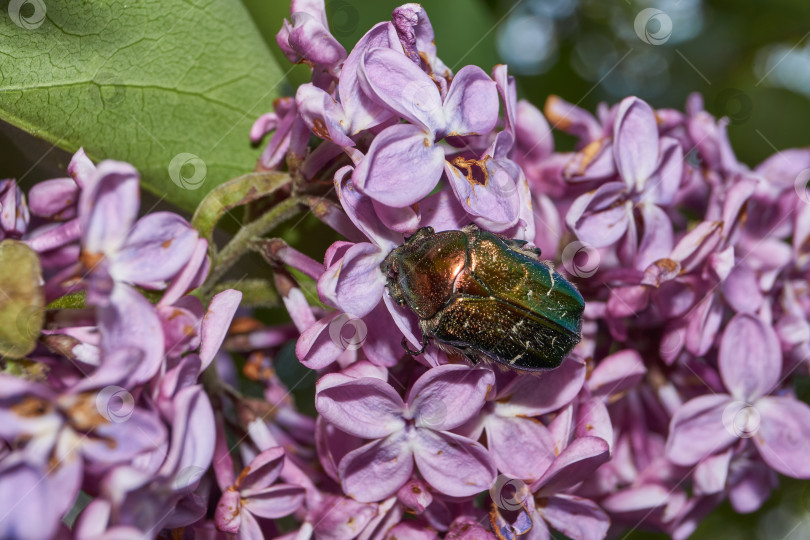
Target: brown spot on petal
589, 153
31, 407
475, 170
84, 414
319, 128
90, 260
167, 243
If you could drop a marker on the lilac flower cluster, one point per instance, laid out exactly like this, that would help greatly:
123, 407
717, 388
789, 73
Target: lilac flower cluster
122, 399
108, 401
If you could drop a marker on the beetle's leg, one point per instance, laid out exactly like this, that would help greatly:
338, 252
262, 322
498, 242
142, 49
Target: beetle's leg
415, 353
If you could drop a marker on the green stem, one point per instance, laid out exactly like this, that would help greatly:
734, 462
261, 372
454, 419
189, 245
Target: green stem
240, 243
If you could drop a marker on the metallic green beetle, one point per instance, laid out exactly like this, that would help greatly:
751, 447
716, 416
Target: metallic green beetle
486, 297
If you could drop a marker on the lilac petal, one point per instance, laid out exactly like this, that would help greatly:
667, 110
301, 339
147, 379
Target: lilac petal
121, 440
495, 204
443, 212
54, 199
249, 528
637, 499
657, 240
752, 487
452, 464
617, 373
704, 323
750, 357
383, 344
357, 280
109, 207
129, 320
408, 325
697, 430
274, 502
33, 498
635, 141
578, 461
339, 518
628, 301
315, 347
383, 176
404, 220
192, 445
81, 169
409, 530
507, 88
157, 248
395, 81
577, 518
471, 105
263, 470
598, 217
192, 275
228, 514
520, 447
783, 440
377, 470
415, 495
571, 119
697, 244
664, 184
362, 111
533, 136
447, 396
216, 322
359, 209
311, 40
365, 407
322, 114
710, 474
543, 392
593, 420
562, 428
741, 290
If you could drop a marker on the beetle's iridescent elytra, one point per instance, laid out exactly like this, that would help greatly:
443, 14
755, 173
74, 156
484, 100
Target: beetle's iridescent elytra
486, 297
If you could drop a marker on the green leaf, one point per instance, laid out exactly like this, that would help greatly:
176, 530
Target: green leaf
170, 86
22, 300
